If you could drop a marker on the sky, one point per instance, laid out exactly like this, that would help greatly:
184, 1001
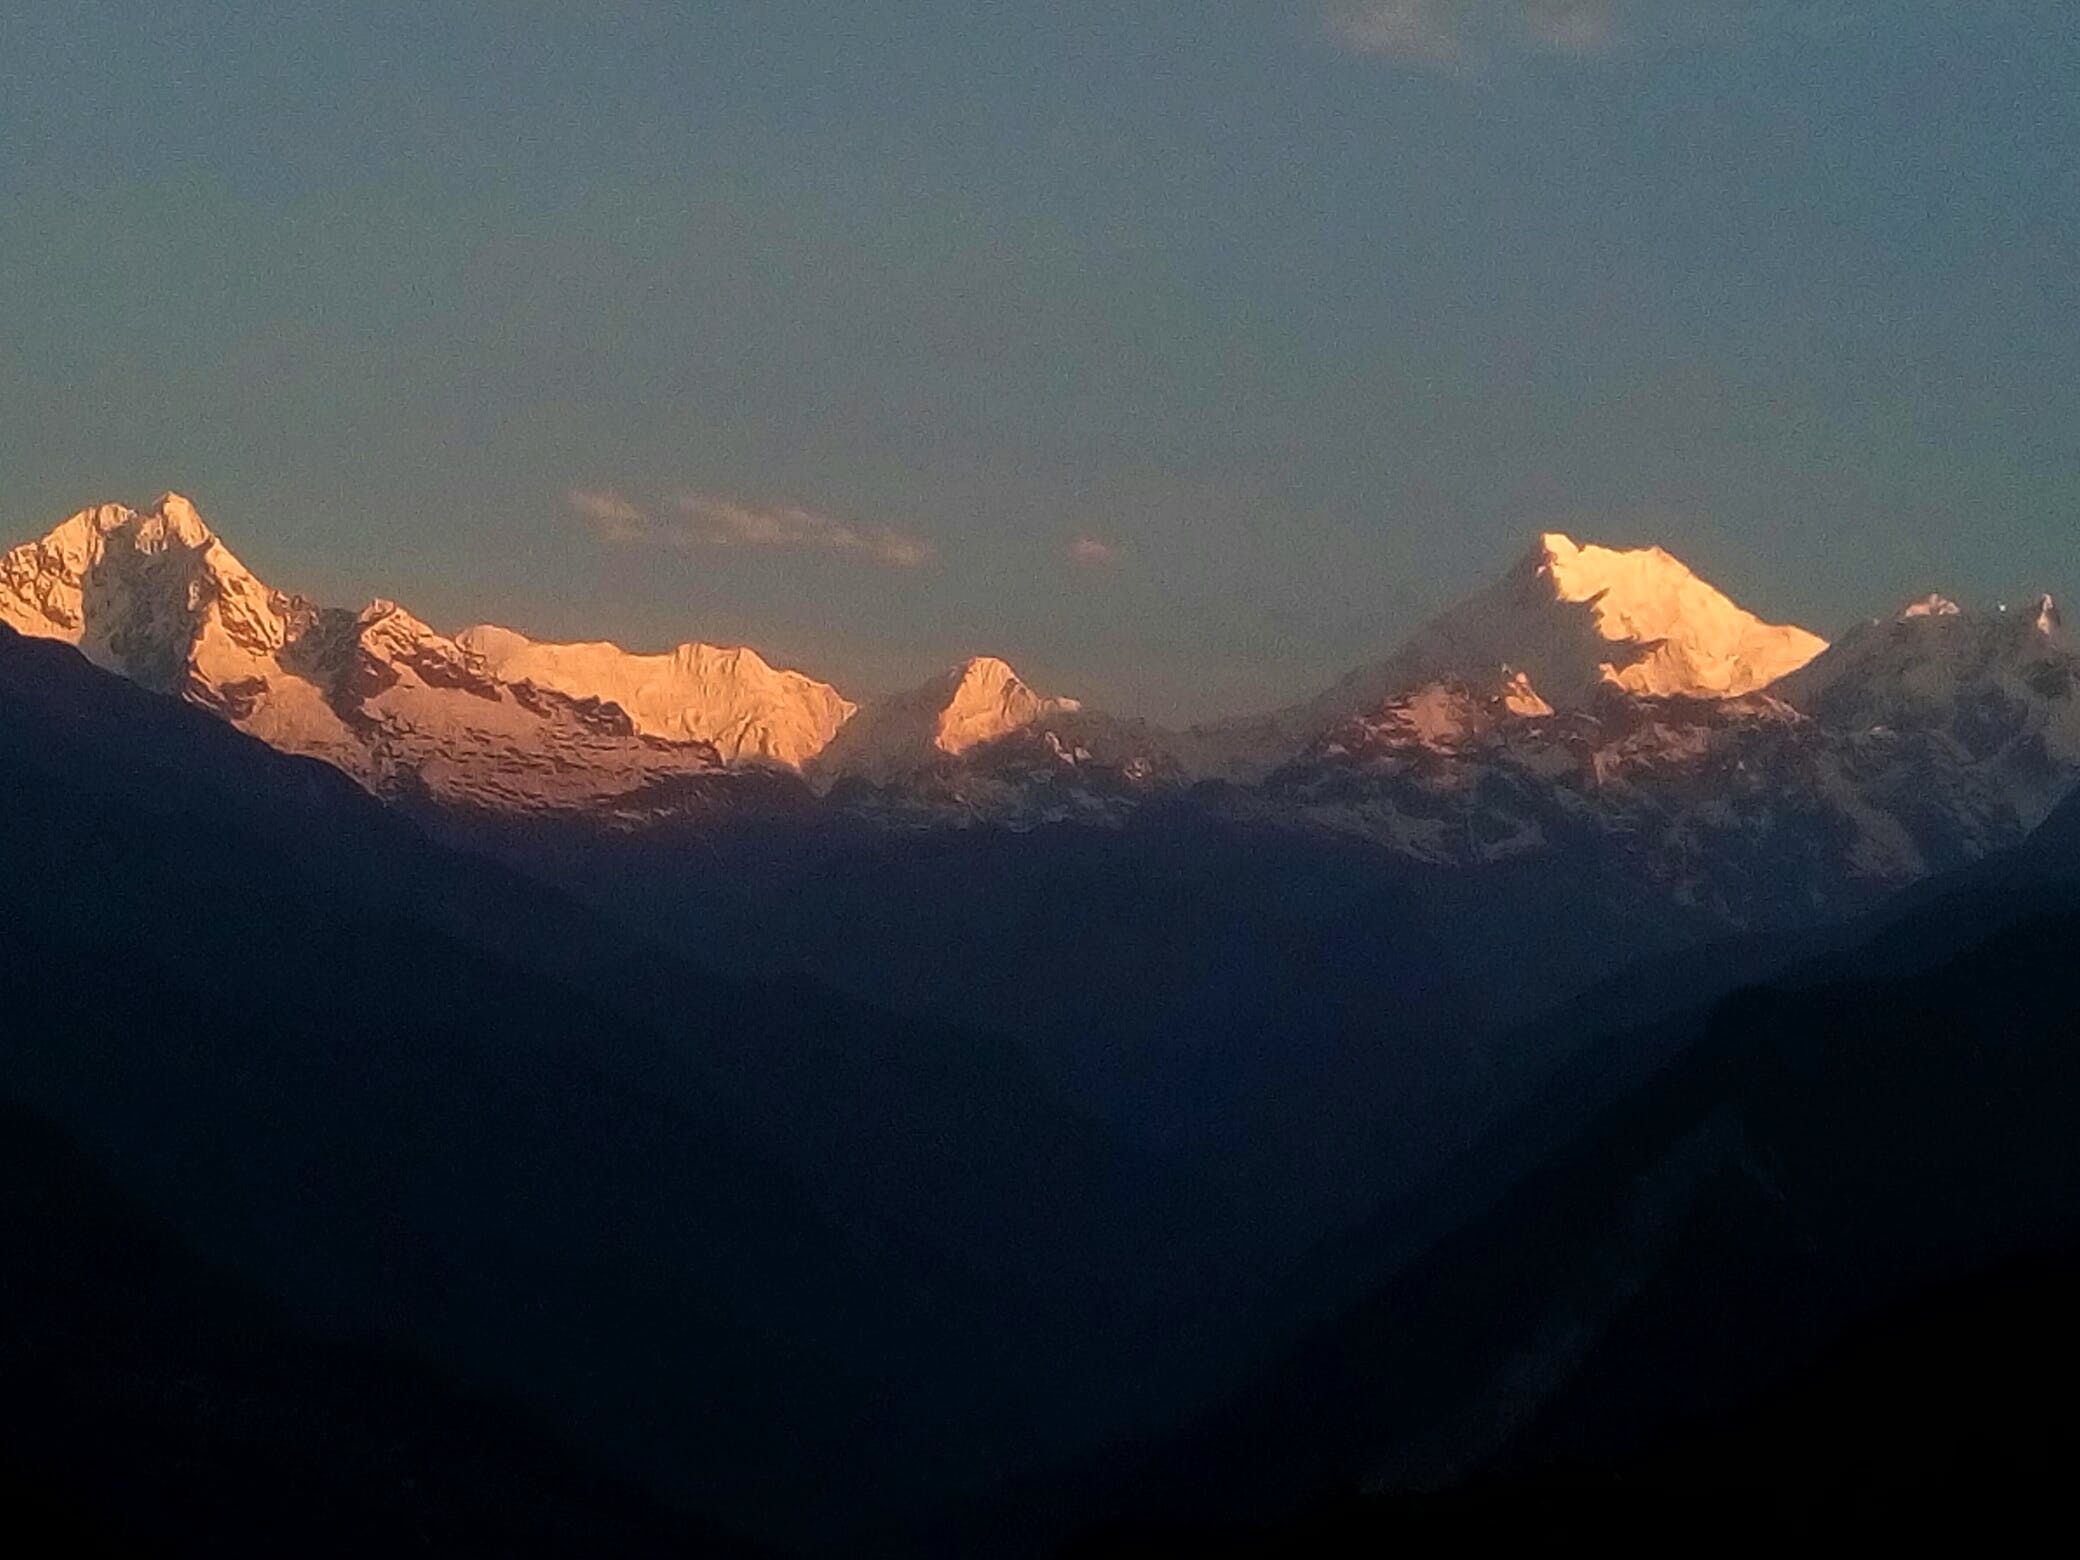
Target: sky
1185, 353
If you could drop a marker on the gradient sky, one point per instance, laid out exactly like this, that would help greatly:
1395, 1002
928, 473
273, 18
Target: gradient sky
1185, 352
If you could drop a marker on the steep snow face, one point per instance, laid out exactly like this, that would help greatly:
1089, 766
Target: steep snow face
979, 701
2002, 686
749, 710
1671, 635
1608, 702
156, 597
1567, 621
144, 594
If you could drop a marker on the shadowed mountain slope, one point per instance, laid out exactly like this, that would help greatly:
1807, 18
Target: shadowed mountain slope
1651, 1305
154, 1406
721, 1231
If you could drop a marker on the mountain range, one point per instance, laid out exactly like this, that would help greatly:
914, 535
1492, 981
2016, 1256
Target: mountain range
1201, 937
1613, 686
938, 1121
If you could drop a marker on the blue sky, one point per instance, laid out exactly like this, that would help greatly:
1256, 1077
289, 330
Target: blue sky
1183, 352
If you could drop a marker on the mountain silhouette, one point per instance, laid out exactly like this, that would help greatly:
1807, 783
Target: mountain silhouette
722, 1233
156, 1405
1859, 1172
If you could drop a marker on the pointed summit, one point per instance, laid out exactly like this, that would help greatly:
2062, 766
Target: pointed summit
965, 706
155, 596
1568, 619
1658, 628
179, 519
152, 594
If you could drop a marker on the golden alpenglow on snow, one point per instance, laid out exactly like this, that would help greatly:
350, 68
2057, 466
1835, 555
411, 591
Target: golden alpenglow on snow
976, 702
1571, 617
691, 693
155, 596
497, 719
603, 999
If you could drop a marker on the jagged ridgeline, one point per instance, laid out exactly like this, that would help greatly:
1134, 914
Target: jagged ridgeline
1589, 688
1030, 1044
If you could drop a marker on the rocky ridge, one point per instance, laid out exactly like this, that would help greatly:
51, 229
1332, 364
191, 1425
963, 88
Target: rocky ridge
1591, 698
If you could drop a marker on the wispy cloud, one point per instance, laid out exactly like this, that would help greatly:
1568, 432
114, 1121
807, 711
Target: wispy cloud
1091, 552
698, 522
611, 517
1462, 35
1456, 32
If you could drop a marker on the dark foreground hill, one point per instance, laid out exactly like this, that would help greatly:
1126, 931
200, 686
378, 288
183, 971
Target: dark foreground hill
1822, 1254
155, 1406
765, 1252
776, 1255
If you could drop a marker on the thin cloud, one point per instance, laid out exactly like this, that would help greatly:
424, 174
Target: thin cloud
612, 518
1457, 32
723, 522
1090, 552
1463, 35
699, 522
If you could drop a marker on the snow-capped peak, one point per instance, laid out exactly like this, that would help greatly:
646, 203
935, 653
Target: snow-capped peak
157, 597
1569, 619
179, 519
983, 699
729, 696
977, 701
1989, 682
1667, 632
170, 524
151, 593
